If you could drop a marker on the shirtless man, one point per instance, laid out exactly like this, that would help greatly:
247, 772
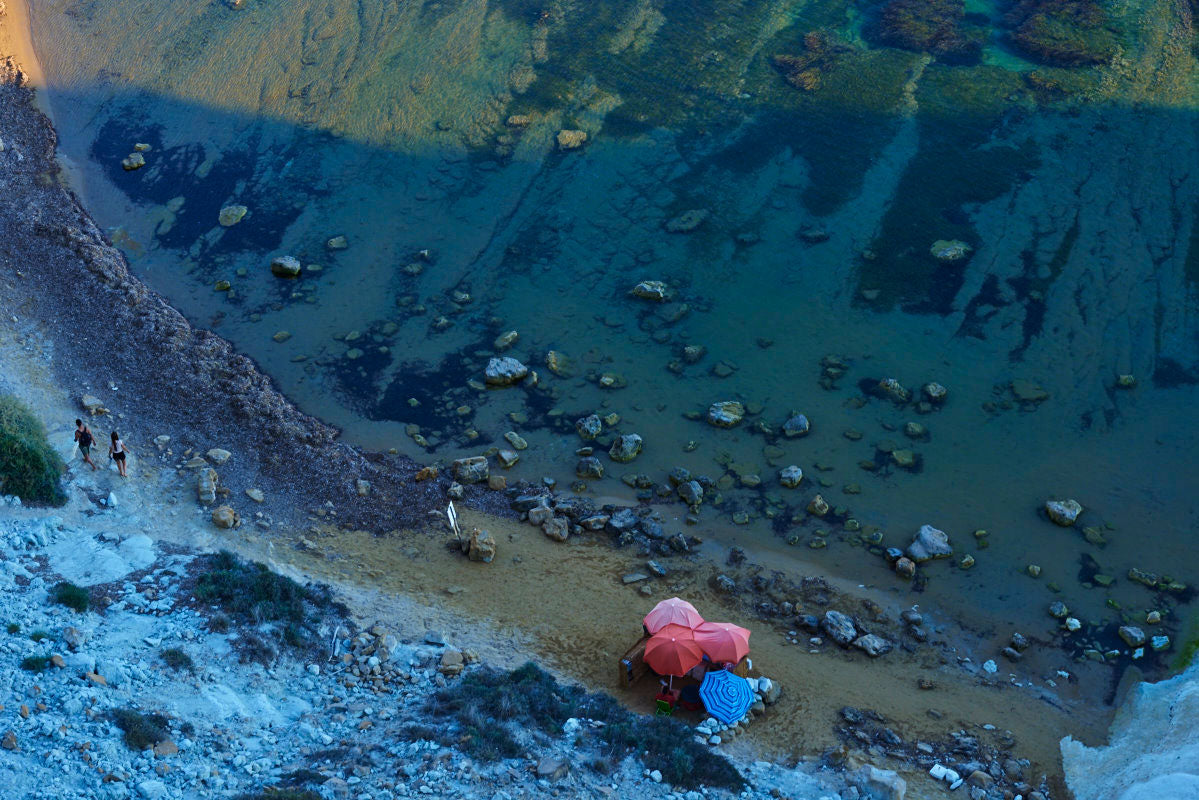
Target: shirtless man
85, 440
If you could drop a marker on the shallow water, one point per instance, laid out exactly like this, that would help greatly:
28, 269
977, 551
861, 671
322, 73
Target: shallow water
387, 125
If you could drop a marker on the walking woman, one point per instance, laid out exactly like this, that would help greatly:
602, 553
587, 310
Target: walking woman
85, 440
116, 451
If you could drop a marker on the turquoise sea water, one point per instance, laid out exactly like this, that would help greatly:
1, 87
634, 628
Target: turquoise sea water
389, 124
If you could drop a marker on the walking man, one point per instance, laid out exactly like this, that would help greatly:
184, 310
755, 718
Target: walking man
85, 440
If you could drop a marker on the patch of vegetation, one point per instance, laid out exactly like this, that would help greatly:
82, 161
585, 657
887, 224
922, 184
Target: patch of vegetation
250, 594
13, 627
1187, 644
38, 636
29, 467
252, 649
35, 663
1063, 33
938, 27
141, 730
493, 711
176, 659
270, 793
71, 596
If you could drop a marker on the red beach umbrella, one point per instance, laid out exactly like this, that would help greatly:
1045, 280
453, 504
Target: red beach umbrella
672, 612
722, 641
673, 651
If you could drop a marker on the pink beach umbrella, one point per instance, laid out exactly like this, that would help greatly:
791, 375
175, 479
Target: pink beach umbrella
672, 612
723, 641
673, 651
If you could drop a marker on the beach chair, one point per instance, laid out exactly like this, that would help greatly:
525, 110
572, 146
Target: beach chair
664, 708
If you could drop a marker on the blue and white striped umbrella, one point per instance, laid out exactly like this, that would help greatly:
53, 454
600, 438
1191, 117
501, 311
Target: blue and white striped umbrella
726, 696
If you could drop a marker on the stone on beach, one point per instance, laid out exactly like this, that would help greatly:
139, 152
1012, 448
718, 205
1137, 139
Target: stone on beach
1063, 512
879, 784
225, 517
873, 645
206, 486
589, 427
473, 469
480, 546
504, 371
839, 627
93, 405
218, 456
929, 543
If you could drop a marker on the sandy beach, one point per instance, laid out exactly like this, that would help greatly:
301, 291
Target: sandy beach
77, 322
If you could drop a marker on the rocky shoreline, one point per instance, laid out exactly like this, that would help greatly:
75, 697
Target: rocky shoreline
123, 344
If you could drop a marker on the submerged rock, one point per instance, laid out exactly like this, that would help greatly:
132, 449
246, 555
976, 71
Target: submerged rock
657, 291
929, 543
285, 266
571, 139
688, 221
791, 476
726, 413
796, 425
950, 250
231, 215
589, 427
625, 448
1063, 512
590, 467
133, 161
504, 371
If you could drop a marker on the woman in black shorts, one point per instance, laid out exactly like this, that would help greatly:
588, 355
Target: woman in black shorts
116, 451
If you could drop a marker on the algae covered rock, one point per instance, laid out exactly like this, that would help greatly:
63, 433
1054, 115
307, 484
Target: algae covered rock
656, 291
571, 139
625, 448
950, 250
231, 215
285, 267
726, 413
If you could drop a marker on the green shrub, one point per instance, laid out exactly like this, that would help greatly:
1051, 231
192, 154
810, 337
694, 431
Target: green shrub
249, 593
70, 595
280, 794
38, 636
29, 467
35, 663
14, 627
176, 659
490, 709
141, 730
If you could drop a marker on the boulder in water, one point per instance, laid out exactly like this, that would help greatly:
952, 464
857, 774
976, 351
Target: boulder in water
929, 543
